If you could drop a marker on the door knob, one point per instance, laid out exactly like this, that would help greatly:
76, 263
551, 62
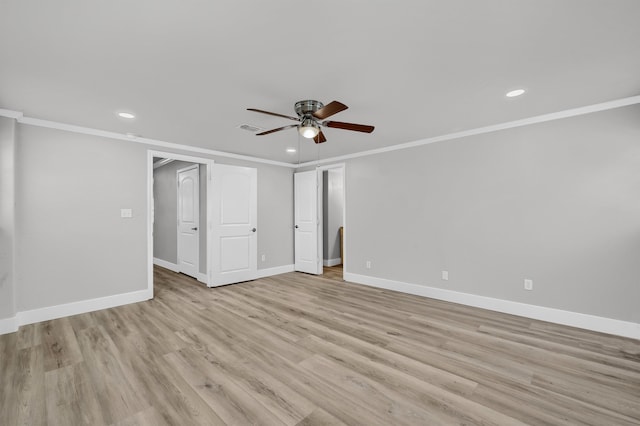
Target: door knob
253, 230
194, 229
296, 226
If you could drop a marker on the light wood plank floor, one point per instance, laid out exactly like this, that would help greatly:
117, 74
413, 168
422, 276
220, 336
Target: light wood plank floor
301, 350
332, 272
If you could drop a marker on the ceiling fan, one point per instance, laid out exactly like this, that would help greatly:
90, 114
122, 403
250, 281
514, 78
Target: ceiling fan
310, 113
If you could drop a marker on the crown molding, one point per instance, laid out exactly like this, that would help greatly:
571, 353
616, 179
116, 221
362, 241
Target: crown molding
632, 100
487, 129
11, 114
137, 139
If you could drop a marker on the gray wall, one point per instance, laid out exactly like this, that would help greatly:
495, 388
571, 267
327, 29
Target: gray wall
71, 243
165, 194
7, 216
556, 202
332, 188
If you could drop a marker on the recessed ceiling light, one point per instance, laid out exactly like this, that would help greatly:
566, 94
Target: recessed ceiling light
291, 150
126, 115
514, 93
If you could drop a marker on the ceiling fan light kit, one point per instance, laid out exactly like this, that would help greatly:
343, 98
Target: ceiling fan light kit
308, 128
310, 113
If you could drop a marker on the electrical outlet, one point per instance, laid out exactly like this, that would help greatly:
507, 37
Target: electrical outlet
264, 257
445, 275
368, 264
528, 284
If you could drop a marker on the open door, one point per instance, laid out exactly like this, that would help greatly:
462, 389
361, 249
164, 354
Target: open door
188, 220
308, 245
234, 227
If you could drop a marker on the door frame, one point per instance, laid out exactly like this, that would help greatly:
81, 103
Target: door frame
185, 169
208, 163
320, 170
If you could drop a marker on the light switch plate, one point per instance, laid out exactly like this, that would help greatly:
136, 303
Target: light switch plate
126, 213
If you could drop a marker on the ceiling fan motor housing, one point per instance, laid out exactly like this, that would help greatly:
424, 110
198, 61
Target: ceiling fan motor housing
307, 107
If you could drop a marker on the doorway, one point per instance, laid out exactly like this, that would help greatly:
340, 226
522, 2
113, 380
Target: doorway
320, 222
227, 220
159, 159
333, 222
180, 217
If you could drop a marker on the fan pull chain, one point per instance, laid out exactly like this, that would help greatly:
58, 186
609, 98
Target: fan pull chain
298, 148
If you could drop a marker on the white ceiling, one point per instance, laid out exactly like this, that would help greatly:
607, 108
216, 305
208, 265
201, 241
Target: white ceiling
414, 68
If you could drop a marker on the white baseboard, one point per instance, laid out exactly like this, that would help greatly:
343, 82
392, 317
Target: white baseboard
558, 316
167, 265
261, 273
175, 268
81, 307
332, 262
8, 325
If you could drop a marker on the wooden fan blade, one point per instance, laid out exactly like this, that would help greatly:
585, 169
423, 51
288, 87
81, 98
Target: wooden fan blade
320, 138
349, 126
329, 109
273, 113
276, 130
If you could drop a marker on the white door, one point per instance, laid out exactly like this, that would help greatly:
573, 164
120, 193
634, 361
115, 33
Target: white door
308, 246
188, 220
235, 217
